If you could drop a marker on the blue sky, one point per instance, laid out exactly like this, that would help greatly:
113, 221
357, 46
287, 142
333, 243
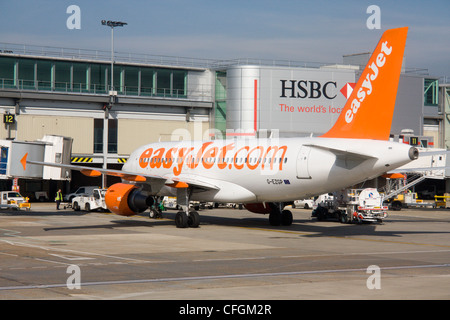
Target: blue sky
313, 31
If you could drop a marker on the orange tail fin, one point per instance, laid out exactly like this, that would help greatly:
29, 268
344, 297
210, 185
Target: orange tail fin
369, 110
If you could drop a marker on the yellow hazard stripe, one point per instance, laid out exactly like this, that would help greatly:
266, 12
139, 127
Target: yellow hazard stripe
81, 159
122, 160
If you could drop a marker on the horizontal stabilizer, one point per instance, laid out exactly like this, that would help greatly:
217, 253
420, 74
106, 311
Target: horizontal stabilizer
343, 152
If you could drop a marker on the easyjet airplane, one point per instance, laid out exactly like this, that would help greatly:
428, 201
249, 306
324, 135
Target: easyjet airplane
268, 174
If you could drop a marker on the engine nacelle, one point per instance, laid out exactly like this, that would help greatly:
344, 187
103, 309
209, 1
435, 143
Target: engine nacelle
261, 207
127, 200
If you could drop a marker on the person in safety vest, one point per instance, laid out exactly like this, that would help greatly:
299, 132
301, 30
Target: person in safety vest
58, 198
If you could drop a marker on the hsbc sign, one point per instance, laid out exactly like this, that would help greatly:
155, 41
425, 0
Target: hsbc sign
295, 101
308, 89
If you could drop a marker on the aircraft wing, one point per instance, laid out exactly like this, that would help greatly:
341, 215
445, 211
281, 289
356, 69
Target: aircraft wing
176, 182
194, 181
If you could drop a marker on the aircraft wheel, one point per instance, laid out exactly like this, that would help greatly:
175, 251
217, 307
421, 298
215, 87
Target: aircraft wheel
275, 218
193, 219
181, 219
286, 218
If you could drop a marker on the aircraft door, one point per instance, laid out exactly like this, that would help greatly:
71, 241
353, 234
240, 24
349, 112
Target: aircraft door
302, 163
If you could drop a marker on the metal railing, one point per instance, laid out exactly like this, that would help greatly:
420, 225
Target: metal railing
201, 93
144, 58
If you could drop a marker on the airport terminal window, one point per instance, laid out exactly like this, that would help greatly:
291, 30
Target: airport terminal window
147, 86
431, 88
179, 83
7, 72
112, 136
99, 74
118, 79
63, 76
163, 82
26, 74
80, 76
44, 75
131, 80
98, 136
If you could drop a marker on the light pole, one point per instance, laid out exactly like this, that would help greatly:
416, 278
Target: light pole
112, 96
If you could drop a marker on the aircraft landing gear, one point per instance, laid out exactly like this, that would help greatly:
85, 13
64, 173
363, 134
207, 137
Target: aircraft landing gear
186, 218
278, 216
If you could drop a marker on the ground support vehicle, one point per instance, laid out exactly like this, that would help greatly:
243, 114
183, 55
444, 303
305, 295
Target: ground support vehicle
442, 201
14, 200
95, 201
170, 202
408, 200
159, 206
351, 205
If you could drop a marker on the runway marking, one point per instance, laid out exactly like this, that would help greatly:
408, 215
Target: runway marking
231, 259
217, 277
71, 258
23, 244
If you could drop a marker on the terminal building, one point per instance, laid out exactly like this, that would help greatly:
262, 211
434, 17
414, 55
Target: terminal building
68, 92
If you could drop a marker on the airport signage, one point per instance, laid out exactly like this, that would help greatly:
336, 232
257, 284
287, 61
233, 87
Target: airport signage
9, 118
308, 89
294, 101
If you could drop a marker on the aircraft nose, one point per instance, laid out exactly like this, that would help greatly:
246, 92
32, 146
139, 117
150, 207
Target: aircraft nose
413, 153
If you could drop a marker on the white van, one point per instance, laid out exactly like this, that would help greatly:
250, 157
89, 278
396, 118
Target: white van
81, 191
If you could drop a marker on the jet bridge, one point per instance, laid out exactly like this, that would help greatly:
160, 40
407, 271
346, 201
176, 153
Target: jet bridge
50, 148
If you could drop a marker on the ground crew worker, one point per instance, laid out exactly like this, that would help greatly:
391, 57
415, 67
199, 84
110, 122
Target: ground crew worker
58, 198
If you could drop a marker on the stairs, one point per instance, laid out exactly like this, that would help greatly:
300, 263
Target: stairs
391, 191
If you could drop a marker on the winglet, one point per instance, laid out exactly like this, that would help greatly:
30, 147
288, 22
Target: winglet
23, 161
369, 109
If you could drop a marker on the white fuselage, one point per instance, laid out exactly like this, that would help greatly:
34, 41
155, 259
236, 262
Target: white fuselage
264, 170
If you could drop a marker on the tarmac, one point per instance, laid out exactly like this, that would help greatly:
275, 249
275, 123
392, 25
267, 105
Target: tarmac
233, 255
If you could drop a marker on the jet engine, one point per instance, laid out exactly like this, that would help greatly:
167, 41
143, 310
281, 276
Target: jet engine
127, 199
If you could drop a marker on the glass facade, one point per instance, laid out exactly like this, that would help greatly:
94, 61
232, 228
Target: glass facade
112, 135
8, 72
221, 102
431, 92
84, 77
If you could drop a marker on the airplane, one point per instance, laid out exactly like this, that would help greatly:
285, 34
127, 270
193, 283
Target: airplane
266, 174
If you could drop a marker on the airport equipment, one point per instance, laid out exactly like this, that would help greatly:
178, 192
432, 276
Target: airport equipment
13, 200
351, 205
94, 201
50, 148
